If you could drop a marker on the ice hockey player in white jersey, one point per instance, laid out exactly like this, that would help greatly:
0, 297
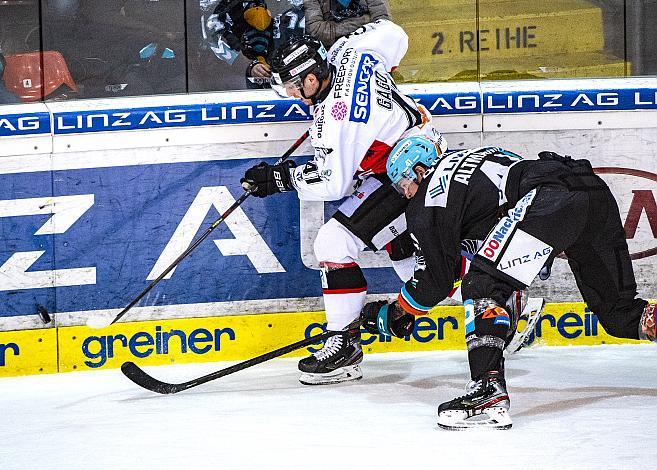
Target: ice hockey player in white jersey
358, 116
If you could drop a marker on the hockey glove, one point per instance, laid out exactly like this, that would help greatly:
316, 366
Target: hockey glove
380, 317
265, 180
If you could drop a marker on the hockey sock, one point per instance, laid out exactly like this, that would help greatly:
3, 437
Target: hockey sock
487, 326
344, 287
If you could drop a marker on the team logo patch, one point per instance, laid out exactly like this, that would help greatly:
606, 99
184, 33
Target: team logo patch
339, 110
440, 187
494, 311
501, 317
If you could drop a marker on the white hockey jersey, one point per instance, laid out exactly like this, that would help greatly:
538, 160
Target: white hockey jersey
363, 116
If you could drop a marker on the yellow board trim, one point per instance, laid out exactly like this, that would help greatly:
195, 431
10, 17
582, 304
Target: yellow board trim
236, 338
28, 352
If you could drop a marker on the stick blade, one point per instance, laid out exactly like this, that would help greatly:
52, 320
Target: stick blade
141, 378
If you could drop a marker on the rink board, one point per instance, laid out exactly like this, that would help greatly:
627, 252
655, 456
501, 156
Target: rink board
235, 338
28, 352
98, 197
121, 187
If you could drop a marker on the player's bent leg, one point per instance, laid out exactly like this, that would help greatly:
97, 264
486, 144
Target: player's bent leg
344, 288
487, 327
344, 295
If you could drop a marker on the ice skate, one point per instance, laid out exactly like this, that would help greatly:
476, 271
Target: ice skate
338, 361
485, 406
529, 310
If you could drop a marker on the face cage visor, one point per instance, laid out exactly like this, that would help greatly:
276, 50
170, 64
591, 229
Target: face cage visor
289, 89
404, 182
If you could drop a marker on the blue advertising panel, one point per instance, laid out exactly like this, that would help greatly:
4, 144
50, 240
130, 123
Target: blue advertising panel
25, 246
115, 225
585, 99
24, 124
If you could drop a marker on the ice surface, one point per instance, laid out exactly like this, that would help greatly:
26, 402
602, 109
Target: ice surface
575, 407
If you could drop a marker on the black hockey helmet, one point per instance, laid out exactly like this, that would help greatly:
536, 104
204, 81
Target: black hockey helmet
294, 60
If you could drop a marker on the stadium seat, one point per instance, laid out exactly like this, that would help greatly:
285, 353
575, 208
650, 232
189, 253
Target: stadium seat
23, 74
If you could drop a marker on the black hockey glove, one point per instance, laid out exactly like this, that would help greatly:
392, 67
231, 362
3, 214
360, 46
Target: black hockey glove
380, 317
268, 179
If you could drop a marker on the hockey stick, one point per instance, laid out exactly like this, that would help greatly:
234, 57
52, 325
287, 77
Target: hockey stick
103, 321
141, 378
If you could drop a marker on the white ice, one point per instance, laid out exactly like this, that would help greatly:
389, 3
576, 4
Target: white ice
573, 408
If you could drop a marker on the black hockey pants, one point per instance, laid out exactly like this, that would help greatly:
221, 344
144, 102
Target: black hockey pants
583, 221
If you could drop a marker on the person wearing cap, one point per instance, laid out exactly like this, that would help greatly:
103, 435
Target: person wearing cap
328, 20
247, 26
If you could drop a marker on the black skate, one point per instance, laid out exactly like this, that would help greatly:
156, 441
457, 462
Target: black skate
485, 406
337, 361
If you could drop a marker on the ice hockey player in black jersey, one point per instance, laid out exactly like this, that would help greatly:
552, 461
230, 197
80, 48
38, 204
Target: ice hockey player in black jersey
527, 212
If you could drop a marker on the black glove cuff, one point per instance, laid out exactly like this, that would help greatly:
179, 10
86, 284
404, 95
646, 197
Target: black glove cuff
281, 174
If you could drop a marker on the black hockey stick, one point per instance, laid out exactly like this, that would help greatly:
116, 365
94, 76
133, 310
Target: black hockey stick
102, 322
141, 378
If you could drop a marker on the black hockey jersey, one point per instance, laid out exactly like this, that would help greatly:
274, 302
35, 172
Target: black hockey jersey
462, 198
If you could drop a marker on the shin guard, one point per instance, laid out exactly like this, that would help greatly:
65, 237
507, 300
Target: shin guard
487, 326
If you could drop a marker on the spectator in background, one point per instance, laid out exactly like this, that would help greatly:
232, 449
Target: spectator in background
247, 26
119, 47
156, 32
291, 23
327, 20
6, 96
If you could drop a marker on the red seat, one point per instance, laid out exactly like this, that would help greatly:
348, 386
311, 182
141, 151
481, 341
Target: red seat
23, 74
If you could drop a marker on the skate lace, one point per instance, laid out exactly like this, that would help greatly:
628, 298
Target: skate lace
472, 392
331, 347
472, 385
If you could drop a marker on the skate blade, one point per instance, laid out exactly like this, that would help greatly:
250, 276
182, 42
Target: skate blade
531, 313
490, 418
342, 374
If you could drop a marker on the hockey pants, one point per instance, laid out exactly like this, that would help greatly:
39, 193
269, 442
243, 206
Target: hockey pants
585, 224
372, 217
